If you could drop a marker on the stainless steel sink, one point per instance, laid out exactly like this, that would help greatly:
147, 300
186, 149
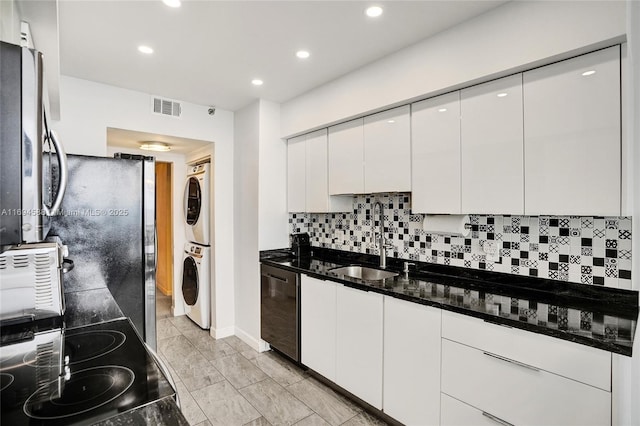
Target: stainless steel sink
364, 273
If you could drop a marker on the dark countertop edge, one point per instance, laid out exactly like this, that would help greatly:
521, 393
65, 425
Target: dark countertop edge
129, 417
608, 346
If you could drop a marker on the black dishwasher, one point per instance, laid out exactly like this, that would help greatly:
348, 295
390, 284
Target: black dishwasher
280, 310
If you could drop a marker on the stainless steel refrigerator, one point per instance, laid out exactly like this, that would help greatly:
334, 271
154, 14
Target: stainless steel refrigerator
107, 220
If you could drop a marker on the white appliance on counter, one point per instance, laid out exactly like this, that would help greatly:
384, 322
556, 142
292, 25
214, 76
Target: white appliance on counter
31, 283
196, 204
196, 283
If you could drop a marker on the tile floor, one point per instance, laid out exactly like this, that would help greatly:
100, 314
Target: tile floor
226, 382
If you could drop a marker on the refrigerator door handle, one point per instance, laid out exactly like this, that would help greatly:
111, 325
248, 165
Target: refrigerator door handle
64, 176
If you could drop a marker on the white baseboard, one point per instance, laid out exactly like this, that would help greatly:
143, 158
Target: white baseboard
219, 333
257, 344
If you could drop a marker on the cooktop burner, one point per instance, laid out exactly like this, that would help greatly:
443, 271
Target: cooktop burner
5, 380
86, 346
77, 376
86, 390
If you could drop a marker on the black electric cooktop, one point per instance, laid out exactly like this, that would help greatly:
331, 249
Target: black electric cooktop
77, 376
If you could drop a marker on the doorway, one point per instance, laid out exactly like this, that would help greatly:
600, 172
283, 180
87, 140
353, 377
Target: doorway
164, 230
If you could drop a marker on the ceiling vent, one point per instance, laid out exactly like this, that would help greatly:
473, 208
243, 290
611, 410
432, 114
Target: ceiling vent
166, 107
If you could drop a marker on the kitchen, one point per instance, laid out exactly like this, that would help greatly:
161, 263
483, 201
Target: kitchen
533, 34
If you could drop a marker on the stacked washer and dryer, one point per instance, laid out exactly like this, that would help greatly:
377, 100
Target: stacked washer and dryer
196, 270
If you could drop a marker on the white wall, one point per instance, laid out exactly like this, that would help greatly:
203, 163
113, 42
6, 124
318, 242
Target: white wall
89, 108
260, 206
247, 289
273, 220
179, 176
509, 38
9, 22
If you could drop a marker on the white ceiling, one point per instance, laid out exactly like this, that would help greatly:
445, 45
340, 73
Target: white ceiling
207, 52
131, 140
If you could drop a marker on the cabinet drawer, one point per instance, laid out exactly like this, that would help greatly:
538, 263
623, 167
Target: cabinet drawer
578, 362
457, 413
519, 394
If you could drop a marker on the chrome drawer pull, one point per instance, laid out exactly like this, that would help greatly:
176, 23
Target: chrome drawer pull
521, 364
497, 419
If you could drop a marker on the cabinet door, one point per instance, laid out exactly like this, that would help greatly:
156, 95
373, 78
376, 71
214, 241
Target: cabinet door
435, 155
359, 344
572, 136
387, 151
411, 362
296, 174
318, 325
517, 393
457, 413
317, 195
492, 147
346, 158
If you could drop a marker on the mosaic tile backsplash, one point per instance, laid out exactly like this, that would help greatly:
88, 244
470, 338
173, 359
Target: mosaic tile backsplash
580, 249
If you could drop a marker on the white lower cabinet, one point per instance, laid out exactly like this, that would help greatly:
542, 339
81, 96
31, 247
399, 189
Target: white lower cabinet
359, 322
411, 391
457, 413
318, 325
423, 366
517, 393
521, 378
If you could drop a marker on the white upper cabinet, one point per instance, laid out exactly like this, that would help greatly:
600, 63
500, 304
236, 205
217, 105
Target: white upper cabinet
572, 136
307, 178
492, 147
296, 174
387, 151
316, 183
435, 155
346, 158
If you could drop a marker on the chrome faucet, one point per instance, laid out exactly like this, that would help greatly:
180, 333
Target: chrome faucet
380, 241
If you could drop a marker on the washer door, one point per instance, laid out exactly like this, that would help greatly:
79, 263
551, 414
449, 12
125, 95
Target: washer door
192, 200
190, 281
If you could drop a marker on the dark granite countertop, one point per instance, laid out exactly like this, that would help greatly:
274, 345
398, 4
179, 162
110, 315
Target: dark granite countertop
599, 317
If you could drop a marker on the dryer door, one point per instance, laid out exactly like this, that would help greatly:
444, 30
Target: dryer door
190, 281
192, 200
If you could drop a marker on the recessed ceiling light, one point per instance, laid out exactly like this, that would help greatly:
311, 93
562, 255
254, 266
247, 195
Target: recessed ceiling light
391, 121
257, 82
145, 49
155, 146
442, 110
502, 95
172, 3
374, 11
302, 54
588, 73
